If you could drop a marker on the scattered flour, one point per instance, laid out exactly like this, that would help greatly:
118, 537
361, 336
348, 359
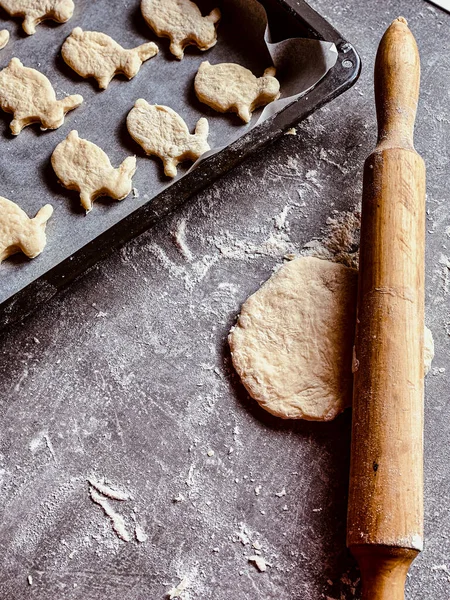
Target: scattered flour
176, 592
275, 245
38, 440
339, 241
190, 476
440, 568
441, 279
179, 236
280, 219
325, 156
190, 275
243, 535
49, 445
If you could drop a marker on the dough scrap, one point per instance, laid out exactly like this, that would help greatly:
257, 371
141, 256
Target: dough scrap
228, 87
293, 343
4, 38
95, 54
19, 233
182, 22
36, 11
29, 95
83, 166
162, 132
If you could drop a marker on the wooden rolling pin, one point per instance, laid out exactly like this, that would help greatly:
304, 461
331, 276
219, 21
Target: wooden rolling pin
385, 515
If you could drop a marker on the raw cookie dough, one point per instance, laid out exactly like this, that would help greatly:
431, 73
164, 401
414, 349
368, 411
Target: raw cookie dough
29, 95
182, 22
162, 132
35, 11
4, 38
19, 233
81, 165
95, 54
228, 87
292, 345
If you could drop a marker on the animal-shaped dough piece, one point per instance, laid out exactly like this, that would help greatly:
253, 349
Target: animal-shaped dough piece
4, 38
81, 165
182, 22
228, 87
29, 95
162, 132
19, 233
36, 11
95, 54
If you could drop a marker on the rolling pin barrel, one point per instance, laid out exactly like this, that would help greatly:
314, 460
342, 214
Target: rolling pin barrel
385, 515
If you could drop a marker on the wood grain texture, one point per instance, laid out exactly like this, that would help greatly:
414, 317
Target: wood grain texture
385, 517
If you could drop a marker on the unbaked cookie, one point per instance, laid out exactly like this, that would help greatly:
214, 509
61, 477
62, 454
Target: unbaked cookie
35, 11
182, 22
4, 38
83, 166
19, 233
29, 95
228, 87
95, 54
162, 132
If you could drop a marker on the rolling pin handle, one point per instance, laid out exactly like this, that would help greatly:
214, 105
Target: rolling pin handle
383, 571
397, 80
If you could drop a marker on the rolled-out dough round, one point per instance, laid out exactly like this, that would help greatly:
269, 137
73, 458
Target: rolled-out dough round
292, 345
293, 342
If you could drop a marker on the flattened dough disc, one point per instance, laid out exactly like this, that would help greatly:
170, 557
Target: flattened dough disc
292, 344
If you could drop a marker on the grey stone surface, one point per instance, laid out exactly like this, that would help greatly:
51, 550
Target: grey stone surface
127, 376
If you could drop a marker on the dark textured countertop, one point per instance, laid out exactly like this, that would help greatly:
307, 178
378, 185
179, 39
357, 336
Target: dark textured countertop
127, 376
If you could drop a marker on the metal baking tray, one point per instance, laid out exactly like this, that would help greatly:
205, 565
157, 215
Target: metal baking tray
77, 241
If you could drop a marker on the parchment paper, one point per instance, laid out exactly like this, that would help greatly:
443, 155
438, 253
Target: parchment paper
26, 175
